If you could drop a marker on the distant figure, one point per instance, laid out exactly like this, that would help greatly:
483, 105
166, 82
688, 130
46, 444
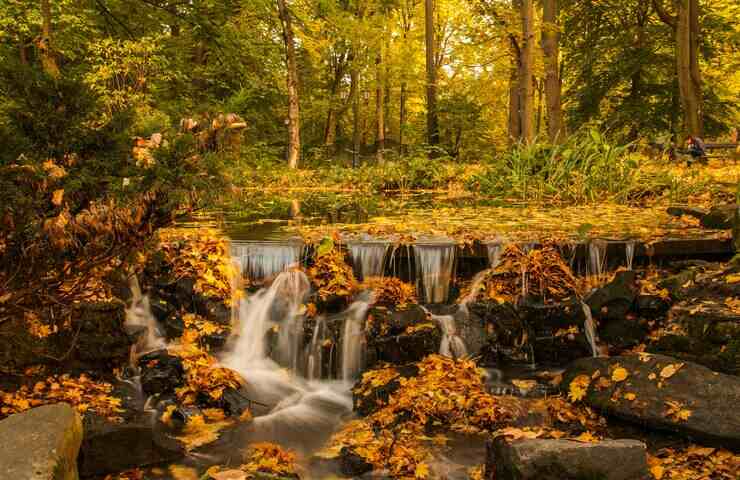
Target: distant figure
696, 148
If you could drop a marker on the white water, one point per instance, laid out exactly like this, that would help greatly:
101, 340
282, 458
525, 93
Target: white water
451, 345
597, 257
495, 249
353, 340
259, 261
369, 257
298, 410
629, 249
434, 269
139, 314
590, 329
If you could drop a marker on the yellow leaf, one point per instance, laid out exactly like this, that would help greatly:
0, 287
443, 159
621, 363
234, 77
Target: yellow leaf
670, 370
733, 278
658, 471
578, 388
229, 475
620, 374
630, 396
421, 471
180, 472
57, 197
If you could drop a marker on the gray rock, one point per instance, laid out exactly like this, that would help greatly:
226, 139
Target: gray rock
711, 398
41, 444
567, 460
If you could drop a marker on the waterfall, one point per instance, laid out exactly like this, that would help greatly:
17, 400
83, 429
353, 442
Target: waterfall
369, 257
494, 254
315, 360
353, 340
139, 315
597, 257
264, 260
629, 249
451, 345
590, 329
434, 266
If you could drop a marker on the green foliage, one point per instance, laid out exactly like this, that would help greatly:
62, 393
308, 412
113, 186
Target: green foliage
586, 168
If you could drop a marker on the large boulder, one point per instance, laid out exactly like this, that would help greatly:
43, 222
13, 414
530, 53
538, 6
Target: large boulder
41, 444
111, 447
537, 459
161, 373
663, 393
102, 338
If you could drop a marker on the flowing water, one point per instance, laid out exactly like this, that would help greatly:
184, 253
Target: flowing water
368, 258
139, 316
629, 249
264, 260
451, 345
353, 340
589, 328
597, 258
434, 269
494, 249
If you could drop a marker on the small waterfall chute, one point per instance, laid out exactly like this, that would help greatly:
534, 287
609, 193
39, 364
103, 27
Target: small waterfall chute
589, 328
369, 258
265, 260
494, 251
597, 257
353, 339
435, 265
629, 249
139, 316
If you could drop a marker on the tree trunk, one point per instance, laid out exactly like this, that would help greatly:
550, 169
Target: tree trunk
526, 87
294, 127
379, 108
551, 51
432, 124
355, 76
402, 118
48, 61
696, 80
515, 126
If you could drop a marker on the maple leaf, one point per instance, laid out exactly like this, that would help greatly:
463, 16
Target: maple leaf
620, 374
421, 471
181, 472
578, 388
669, 370
657, 471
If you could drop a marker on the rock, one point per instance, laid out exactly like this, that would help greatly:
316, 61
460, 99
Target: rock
720, 218
724, 359
161, 308
385, 321
679, 211
351, 464
694, 401
651, 306
114, 447
537, 459
174, 326
678, 283
367, 404
102, 337
161, 373
41, 444
708, 319
546, 331
614, 300
623, 333
406, 347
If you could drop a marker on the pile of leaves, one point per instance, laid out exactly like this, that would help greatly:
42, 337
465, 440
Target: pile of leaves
261, 458
541, 272
202, 255
205, 380
446, 395
82, 393
200, 429
330, 273
694, 462
390, 291
197, 328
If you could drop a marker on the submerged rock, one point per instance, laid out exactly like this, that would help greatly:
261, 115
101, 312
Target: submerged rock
161, 373
41, 444
351, 464
110, 447
537, 459
663, 393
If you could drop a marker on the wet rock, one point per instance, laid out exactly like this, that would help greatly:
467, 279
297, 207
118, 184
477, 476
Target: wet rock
385, 321
41, 444
184, 293
102, 338
161, 308
679, 211
677, 284
213, 309
614, 300
234, 402
406, 347
623, 333
720, 218
161, 373
114, 447
710, 398
724, 359
710, 319
651, 306
537, 459
351, 464
556, 332
174, 326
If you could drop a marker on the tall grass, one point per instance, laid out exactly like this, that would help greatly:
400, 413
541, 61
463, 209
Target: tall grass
586, 168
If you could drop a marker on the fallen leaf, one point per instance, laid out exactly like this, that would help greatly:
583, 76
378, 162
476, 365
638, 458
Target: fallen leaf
620, 374
658, 471
57, 197
578, 388
229, 475
670, 370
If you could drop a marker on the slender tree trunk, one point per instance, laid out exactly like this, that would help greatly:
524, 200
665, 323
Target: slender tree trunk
515, 126
379, 107
526, 87
402, 118
355, 76
540, 92
432, 123
48, 60
551, 51
294, 127
23, 52
696, 80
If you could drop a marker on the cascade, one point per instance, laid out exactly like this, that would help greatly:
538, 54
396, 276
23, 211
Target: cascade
353, 339
315, 355
629, 249
264, 260
139, 315
434, 270
495, 249
597, 257
590, 329
451, 345
369, 257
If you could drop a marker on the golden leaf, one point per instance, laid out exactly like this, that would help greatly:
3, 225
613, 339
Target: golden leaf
658, 471
57, 197
229, 475
421, 471
181, 472
670, 370
578, 387
620, 374
630, 396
